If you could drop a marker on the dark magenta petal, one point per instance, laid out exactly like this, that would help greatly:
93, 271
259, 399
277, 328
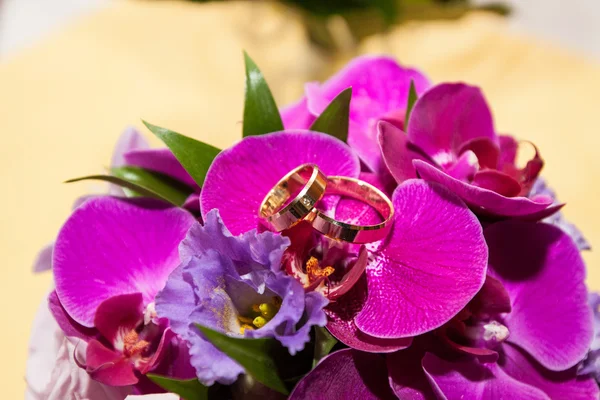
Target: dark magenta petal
340, 322
346, 374
352, 276
162, 161
109, 367
482, 200
398, 152
448, 116
508, 151
69, 327
241, 176
491, 299
119, 315
497, 181
297, 116
544, 274
474, 381
111, 246
380, 86
464, 168
406, 375
431, 265
557, 385
486, 150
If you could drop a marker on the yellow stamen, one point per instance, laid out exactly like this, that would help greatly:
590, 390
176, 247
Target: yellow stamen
268, 310
259, 322
314, 270
244, 327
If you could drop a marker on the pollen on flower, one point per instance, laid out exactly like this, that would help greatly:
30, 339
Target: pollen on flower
315, 271
132, 345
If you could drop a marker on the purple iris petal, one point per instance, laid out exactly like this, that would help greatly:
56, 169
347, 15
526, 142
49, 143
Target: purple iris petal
540, 187
557, 385
345, 374
447, 116
591, 364
472, 380
380, 87
111, 246
481, 199
431, 265
542, 271
221, 280
242, 175
162, 161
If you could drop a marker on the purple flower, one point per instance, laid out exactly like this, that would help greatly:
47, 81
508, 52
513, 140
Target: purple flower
379, 92
234, 284
429, 267
591, 364
346, 374
450, 139
524, 333
110, 259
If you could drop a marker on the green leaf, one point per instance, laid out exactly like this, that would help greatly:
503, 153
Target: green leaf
388, 10
324, 342
193, 155
188, 389
412, 98
164, 186
252, 354
260, 111
334, 120
133, 187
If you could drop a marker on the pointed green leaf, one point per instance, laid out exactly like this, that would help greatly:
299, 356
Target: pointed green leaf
189, 389
260, 110
136, 189
324, 342
164, 186
412, 98
255, 355
335, 119
194, 156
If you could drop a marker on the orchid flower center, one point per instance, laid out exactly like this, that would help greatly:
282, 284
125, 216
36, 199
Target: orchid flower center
133, 346
316, 272
260, 314
488, 334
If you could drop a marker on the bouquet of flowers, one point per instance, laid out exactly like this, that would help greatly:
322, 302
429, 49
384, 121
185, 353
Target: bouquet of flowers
375, 240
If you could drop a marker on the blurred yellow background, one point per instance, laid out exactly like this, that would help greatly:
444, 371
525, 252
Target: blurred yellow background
64, 102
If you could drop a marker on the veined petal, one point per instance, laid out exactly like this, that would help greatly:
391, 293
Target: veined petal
241, 176
111, 246
432, 264
544, 275
346, 374
380, 86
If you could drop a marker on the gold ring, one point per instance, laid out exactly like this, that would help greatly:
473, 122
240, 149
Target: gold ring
309, 181
359, 190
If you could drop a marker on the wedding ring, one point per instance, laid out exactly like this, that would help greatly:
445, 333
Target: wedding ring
309, 181
362, 191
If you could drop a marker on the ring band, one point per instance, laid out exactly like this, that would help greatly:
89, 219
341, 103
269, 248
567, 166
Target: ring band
364, 192
312, 183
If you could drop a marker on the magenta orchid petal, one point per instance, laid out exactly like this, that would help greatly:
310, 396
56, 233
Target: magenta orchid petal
497, 181
508, 151
398, 152
297, 116
431, 265
341, 314
119, 314
129, 140
465, 167
162, 161
406, 376
90, 266
447, 116
539, 261
345, 374
109, 367
372, 79
351, 277
192, 203
356, 211
485, 149
557, 385
242, 175
69, 327
483, 200
469, 379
